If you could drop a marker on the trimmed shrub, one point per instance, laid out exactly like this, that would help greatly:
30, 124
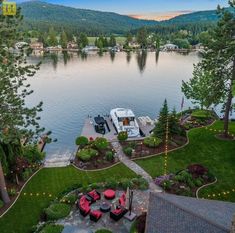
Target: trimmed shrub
57, 210
152, 142
103, 231
124, 183
109, 156
128, 151
87, 154
81, 141
122, 136
52, 228
101, 143
1, 203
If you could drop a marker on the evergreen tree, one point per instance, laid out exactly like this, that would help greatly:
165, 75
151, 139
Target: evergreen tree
52, 40
142, 37
112, 41
129, 38
16, 120
174, 124
63, 40
160, 127
82, 40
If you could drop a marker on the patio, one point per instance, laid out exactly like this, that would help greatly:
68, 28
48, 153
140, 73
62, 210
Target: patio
75, 222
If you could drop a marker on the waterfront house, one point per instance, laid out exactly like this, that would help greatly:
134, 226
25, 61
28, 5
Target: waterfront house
72, 45
133, 45
20, 45
169, 47
36, 45
169, 213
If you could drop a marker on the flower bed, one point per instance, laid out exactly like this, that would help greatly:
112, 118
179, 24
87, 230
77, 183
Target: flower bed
187, 181
146, 147
95, 154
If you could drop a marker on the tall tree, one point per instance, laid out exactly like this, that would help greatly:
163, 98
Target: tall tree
160, 127
82, 40
129, 38
112, 41
141, 37
16, 120
52, 40
219, 61
63, 40
198, 88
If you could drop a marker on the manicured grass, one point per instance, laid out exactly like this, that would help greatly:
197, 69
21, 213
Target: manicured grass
119, 40
44, 187
201, 113
206, 149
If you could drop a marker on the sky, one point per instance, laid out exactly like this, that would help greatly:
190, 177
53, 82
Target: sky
147, 9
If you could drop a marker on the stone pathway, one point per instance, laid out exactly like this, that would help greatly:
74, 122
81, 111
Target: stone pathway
135, 167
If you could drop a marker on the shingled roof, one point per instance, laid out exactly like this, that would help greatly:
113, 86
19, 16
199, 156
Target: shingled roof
177, 214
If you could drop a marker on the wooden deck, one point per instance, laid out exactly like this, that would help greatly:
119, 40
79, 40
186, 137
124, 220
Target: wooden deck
89, 130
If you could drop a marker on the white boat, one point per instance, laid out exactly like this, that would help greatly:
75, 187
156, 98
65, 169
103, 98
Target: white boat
125, 120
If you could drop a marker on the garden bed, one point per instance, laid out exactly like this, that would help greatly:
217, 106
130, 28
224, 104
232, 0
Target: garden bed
95, 154
139, 149
187, 181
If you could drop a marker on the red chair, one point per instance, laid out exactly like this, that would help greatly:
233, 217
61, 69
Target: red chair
118, 213
95, 215
122, 200
95, 195
84, 206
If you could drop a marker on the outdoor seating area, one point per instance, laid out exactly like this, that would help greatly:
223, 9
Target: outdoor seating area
85, 202
105, 213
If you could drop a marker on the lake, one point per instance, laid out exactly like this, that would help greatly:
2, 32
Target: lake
73, 86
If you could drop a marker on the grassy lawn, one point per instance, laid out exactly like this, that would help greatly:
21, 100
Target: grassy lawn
204, 148
51, 181
119, 40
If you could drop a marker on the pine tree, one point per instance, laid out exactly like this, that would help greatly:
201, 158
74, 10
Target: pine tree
52, 41
112, 41
63, 40
160, 127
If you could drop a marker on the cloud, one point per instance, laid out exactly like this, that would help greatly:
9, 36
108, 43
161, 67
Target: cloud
159, 16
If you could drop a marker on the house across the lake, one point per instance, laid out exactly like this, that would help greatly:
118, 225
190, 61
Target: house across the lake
72, 45
169, 213
169, 47
36, 45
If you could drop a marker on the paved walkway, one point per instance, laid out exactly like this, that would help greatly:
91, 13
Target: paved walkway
135, 167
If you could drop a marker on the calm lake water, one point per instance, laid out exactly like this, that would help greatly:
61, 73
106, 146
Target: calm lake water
73, 86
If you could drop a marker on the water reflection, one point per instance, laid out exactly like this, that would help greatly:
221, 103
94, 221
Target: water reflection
66, 57
128, 56
112, 55
100, 53
83, 55
54, 58
141, 60
157, 57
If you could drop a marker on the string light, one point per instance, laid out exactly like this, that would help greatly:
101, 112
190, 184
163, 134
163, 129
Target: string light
166, 147
223, 193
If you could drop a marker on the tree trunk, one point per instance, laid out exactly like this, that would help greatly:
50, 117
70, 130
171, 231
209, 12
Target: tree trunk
229, 102
3, 189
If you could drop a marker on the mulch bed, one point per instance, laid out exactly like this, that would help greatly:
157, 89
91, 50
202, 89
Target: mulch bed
142, 150
98, 162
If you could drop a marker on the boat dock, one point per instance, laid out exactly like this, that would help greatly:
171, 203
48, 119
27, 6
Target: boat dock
89, 130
